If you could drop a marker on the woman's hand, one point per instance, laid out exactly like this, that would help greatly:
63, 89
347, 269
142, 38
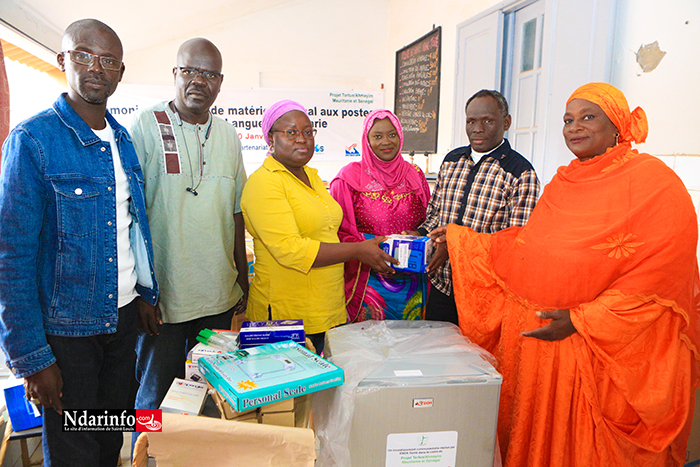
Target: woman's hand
370, 253
559, 328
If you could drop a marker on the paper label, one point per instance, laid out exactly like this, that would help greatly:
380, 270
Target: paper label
408, 373
423, 403
403, 253
438, 448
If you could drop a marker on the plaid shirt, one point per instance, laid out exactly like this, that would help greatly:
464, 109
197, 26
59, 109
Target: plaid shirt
499, 191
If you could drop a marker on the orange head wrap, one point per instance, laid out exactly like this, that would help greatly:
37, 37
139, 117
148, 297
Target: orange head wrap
632, 126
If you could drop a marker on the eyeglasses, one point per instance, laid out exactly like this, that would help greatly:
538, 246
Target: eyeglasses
87, 59
192, 73
294, 134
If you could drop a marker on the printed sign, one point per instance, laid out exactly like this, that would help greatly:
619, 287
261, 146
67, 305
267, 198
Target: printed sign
337, 114
438, 449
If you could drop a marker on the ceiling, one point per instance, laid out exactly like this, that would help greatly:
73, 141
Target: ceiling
140, 24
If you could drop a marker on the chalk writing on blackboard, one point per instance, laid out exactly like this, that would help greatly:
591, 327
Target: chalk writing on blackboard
417, 92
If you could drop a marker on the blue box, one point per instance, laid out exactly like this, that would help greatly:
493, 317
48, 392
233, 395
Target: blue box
412, 251
23, 414
268, 332
268, 373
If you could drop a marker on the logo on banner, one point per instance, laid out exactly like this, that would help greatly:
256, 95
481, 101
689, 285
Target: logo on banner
352, 150
127, 420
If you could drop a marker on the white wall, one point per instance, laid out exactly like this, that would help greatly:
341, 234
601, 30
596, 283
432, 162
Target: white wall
669, 94
305, 44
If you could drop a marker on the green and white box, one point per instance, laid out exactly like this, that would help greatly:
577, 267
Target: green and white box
268, 373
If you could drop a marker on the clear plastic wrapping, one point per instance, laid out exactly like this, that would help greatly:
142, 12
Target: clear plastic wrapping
365, 351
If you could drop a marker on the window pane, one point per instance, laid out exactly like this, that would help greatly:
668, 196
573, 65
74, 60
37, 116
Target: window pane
527, 57
539, 45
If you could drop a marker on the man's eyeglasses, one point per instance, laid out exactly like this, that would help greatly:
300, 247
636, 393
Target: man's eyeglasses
293, 134
191, 73
87, 59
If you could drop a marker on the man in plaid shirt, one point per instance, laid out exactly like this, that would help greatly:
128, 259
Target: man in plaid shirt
486, 186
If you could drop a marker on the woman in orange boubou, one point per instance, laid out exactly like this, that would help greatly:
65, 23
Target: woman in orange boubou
591, 308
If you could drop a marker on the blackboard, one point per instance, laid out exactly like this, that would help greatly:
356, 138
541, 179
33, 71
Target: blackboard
417, 92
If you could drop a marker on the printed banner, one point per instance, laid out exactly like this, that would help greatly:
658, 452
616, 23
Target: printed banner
337, 114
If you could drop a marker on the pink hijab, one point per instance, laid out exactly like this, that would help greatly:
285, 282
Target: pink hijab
374, 174
274, 112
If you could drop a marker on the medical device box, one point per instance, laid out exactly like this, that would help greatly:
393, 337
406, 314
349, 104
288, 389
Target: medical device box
268, 332
412, 251
184, 397
258, 376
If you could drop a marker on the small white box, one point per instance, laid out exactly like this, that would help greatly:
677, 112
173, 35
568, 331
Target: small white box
184, 397
201, 350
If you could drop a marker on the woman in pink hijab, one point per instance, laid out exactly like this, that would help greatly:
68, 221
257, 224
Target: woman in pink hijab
381, 195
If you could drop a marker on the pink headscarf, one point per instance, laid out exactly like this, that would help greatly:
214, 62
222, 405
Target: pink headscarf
274, 112
374, 174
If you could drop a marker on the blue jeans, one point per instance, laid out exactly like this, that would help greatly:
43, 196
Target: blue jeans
161, 358
96, 372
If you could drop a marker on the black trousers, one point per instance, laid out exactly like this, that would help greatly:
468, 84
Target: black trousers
440, 307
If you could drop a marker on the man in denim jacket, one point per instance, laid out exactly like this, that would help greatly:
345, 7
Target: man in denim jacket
75, 250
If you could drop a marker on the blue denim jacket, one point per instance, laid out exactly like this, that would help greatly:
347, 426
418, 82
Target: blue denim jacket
58, 237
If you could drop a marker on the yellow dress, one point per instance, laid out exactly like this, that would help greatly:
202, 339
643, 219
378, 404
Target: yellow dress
288, 221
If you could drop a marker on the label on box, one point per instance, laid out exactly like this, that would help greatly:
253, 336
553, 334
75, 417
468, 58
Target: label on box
255, 333
192, 372
268, 373
201, 350
405, 373
437, 448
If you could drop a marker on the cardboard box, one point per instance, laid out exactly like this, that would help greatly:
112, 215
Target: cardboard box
23, 414
269, 373
255, 333
201, 350
412, 251
283, 406
292, 412
184, 397
278, 418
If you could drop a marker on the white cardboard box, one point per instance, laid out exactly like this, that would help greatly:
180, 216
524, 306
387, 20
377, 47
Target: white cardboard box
184, 397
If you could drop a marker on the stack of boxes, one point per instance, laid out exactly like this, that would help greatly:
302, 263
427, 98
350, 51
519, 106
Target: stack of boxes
269, 379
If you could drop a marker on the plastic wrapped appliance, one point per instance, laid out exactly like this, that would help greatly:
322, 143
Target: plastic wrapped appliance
415, 392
